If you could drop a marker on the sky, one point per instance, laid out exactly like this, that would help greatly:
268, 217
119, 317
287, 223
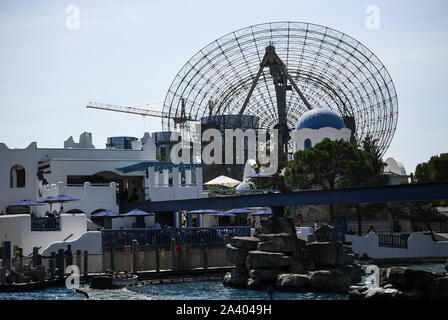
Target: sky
128, 53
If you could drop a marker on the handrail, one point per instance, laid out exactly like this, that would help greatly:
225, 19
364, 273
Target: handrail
68, 237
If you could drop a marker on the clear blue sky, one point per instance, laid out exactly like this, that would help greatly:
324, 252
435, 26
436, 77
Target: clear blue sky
128, 52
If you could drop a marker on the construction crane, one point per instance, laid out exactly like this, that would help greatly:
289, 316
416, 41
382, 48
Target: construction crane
181, 121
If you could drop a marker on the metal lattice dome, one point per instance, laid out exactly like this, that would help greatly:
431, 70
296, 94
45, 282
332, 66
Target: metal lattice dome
333, 70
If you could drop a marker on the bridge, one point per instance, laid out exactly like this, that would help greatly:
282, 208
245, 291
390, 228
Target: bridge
277, 201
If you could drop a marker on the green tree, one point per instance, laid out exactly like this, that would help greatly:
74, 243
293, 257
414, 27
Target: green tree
435, 170
365, 169
324, 165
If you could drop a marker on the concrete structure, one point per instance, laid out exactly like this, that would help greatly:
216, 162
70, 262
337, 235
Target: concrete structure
17, 230
419, 245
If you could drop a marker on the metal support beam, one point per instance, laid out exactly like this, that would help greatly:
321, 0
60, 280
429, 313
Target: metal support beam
398, 193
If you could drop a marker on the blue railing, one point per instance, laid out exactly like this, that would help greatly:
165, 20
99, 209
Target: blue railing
45, 224
161, 237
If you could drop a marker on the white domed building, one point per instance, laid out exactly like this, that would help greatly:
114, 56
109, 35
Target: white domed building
316, 125
395, 172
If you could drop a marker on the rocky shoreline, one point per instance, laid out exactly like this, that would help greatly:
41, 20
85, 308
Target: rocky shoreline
276, 257
402, 283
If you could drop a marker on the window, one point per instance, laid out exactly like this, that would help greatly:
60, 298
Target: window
307, 144
17, 177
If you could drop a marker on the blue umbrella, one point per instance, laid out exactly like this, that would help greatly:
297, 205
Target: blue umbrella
239, 210
221, 214
203, 211
105, 213
25, 203
260, 175
261, 212
58, 199
135, 213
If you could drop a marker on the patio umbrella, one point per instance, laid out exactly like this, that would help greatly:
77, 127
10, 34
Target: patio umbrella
221, 214
25, 203
136, 213
223, 181
58, 199
203, 211
261, 212
105, 213
260, 175
238, 210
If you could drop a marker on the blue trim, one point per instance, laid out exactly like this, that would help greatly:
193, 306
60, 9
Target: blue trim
158, 166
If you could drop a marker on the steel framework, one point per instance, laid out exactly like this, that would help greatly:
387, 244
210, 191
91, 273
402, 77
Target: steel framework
331, 69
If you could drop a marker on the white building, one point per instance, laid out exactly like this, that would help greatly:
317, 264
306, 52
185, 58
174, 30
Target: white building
316, 125
101, 179
395, 172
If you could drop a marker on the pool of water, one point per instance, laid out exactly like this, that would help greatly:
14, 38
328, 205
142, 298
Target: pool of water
201, 290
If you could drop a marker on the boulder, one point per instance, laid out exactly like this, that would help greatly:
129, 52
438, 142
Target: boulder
407, 278
236, 282
297, 266
438, 289
247, 243
379, 293
324, 233
329, 280
236, 256
294, 282
264, 274
276, 225
354, 271
261, 259
239, 272
328, 254
278, 242
258, 284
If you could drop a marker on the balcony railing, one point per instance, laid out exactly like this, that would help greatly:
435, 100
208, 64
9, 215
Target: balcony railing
161, 237
45, 224
390, 241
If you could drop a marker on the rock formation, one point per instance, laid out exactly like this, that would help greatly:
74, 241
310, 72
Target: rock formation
402, 283
276, 257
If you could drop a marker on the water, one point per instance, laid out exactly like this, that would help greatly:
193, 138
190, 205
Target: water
201, 290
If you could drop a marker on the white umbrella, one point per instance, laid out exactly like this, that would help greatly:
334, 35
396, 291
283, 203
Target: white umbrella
223, 181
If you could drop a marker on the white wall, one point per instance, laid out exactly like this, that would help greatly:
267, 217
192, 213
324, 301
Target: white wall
317, 135
92, 198
17, 229
90, 241
419, 245
127, 222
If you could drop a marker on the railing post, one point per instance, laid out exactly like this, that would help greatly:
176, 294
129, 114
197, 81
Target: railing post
157, 259
134, 256
78, 259
35, 254
204, 258
60, 263
86, 264
52, 264
112, 258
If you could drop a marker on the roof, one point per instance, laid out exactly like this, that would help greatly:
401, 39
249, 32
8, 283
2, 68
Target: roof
158, 166
394, 166
320, 118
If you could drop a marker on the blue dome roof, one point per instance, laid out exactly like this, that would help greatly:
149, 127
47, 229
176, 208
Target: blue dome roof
320, 118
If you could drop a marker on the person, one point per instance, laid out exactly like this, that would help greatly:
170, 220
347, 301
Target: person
316, 224
371, 229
